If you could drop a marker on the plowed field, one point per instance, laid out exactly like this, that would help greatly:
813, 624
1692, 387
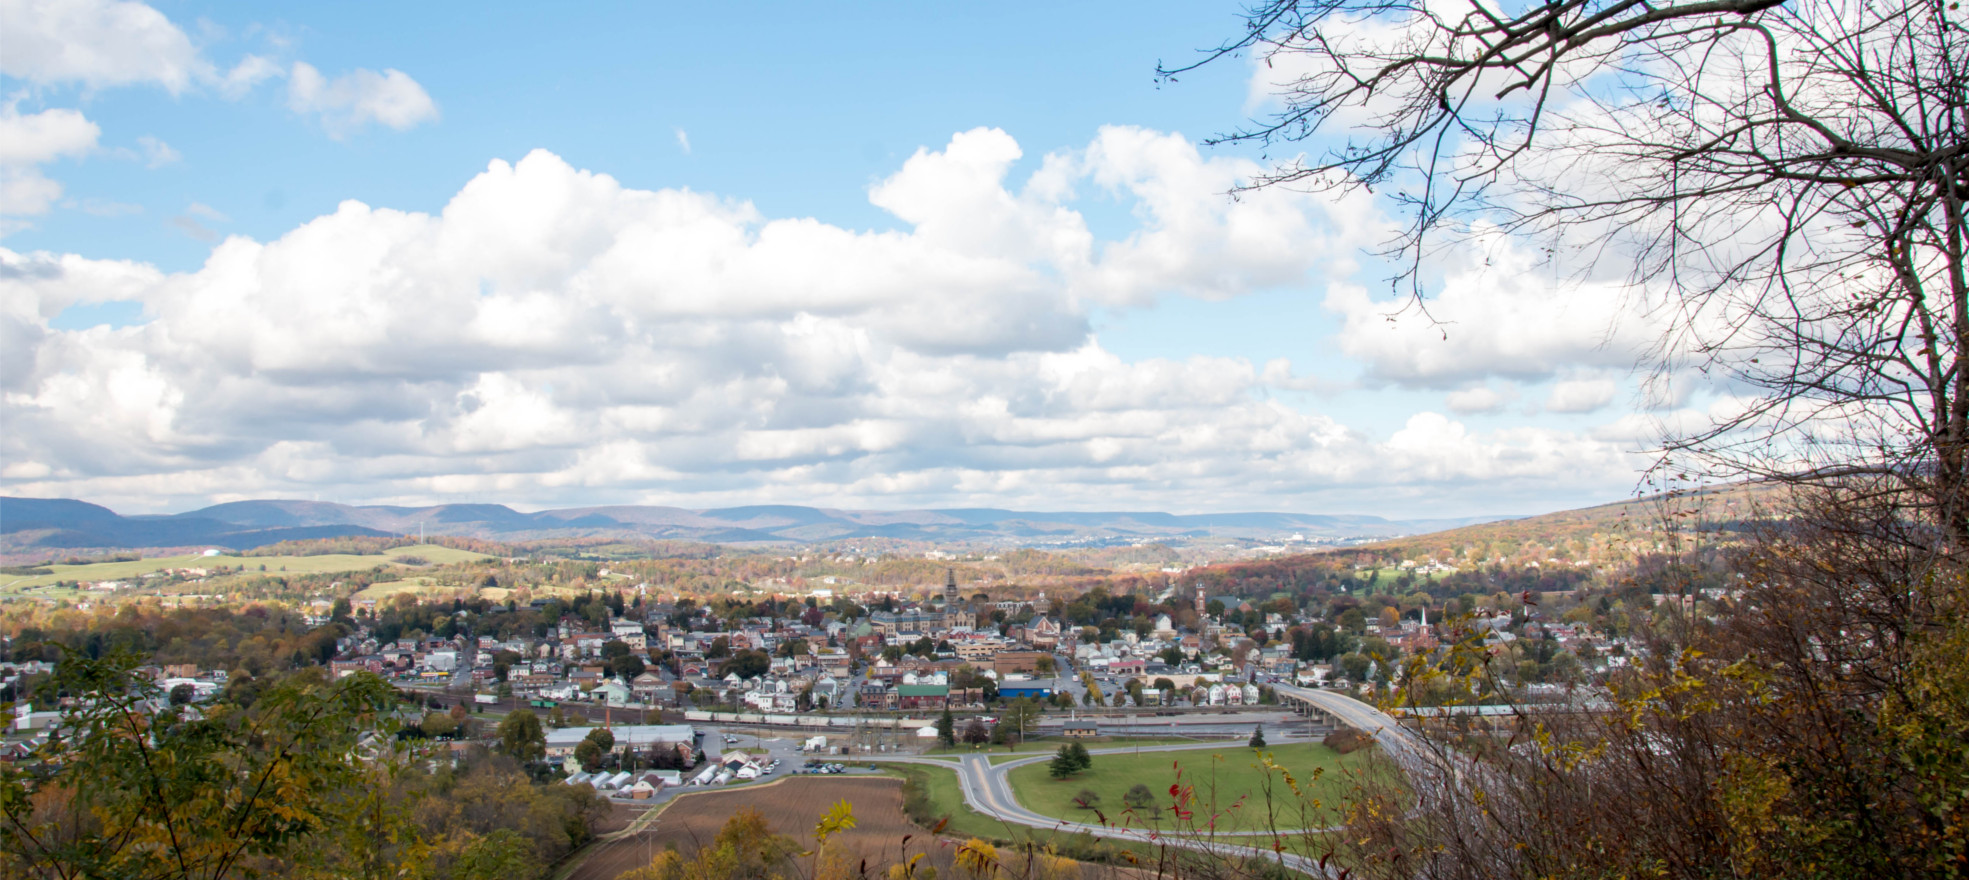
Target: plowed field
791, 807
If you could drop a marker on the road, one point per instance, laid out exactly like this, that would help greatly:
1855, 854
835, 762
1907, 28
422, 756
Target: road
1403, 746
987, 788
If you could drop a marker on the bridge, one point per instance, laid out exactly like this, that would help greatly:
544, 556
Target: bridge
1328, 709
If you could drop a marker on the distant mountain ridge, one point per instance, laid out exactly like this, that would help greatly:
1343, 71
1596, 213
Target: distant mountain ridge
27, 523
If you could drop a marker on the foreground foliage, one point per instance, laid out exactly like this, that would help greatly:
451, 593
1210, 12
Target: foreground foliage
298, 776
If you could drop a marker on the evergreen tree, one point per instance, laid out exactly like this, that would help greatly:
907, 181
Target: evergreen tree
1258, 737
946, 729
1064, 764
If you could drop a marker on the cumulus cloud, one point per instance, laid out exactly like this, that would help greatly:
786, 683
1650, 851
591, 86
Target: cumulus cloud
1482, 399
1580, 395
28, 141
98, 43
105, 43
1496, 315
552, 336
350, 102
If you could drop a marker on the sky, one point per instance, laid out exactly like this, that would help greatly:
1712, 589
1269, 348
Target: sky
876, 255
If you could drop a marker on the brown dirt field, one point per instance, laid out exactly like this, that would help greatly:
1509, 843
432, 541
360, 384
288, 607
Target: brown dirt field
791, 807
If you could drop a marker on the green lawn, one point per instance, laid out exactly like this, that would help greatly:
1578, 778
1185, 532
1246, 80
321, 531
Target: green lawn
333, 562
1228, 783
947, 799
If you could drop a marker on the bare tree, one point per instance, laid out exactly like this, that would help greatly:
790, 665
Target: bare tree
1782, 184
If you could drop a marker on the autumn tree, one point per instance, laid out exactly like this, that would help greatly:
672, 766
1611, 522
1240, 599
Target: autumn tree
520, 736
136, 787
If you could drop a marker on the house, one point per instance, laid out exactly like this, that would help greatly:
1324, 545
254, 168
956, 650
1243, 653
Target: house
1081, 729
875, 696
648, 686
612, 692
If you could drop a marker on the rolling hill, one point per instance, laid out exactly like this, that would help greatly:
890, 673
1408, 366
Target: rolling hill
27, 524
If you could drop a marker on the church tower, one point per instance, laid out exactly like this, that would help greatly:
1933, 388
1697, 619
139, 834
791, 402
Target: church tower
953, 615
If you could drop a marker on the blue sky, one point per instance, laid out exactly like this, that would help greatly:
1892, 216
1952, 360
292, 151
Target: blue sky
812, 271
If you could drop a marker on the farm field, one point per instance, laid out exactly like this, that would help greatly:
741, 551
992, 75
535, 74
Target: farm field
387, 589
791, 807
334, 562
1227, 781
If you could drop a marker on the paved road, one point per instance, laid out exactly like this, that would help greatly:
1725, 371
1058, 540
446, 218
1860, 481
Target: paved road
1402, 745
987, 789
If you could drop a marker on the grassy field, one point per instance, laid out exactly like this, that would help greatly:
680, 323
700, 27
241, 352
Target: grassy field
387, 589
947, 799
334, 562
1229, 787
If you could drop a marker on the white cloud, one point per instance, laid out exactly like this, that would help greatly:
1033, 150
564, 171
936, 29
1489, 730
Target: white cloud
29, 141
1580, 395
684, 141
156, 153
1496, 315
247, 74
552, 336
348, 103
1481, 399
98, 43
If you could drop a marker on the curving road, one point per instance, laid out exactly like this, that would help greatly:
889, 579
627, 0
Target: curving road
1400, 743
987, 788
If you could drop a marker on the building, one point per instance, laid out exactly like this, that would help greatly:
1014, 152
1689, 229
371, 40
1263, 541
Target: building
1006, 662
1030, 689
955, 614
905, 623
1043, 633
922, 696
628, 737
1081, 729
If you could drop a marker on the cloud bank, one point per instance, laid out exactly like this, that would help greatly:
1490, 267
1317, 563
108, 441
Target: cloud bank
552, 336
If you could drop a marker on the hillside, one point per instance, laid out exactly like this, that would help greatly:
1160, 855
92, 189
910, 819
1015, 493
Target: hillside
1605, 534
29, 524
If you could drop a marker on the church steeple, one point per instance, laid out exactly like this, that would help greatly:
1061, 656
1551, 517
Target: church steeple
950, 589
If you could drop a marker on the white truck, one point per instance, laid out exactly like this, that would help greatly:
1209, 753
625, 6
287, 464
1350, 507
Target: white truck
485, 699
